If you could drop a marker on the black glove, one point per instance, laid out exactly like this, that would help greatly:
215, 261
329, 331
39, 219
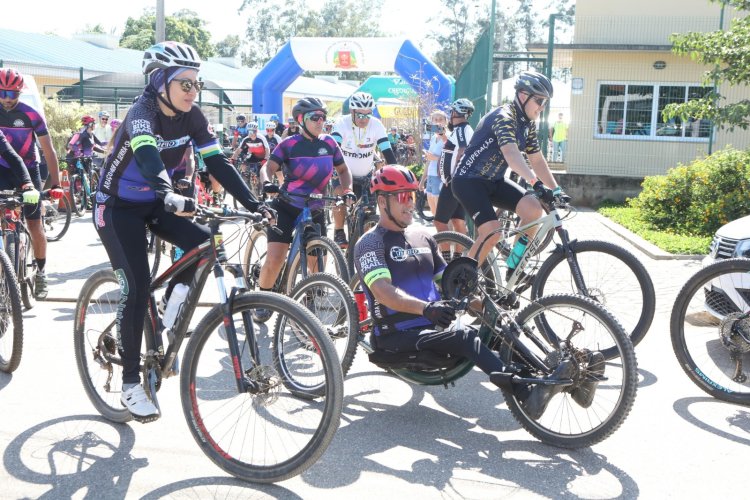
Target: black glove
542, 192
349, 197
178, 204
440, 313
268, 212
270, 187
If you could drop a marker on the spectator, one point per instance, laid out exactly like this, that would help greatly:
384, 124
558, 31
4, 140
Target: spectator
431, 182
559, 134
394, 137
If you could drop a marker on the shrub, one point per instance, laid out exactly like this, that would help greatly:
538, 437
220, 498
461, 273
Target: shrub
698, 198
64, 118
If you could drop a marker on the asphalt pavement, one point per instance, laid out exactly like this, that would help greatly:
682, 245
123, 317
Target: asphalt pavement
395, 439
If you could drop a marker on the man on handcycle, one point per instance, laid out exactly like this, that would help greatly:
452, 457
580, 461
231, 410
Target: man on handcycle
501, 136
399, 266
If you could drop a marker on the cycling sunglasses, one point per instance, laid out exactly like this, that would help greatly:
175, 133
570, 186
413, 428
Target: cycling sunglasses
187, 85
363, 116
316, 117
404, 197
540, 101
9, 94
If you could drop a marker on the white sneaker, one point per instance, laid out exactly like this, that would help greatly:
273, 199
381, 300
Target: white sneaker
139, 405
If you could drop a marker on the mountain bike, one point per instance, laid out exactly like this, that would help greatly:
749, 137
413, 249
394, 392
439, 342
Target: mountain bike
250, 173
602, 271
84, 180
11, 313
56, 216
252, 418
710, 329
361, 217
17, 243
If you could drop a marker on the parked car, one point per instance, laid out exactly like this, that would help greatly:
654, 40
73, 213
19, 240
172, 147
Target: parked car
730, 293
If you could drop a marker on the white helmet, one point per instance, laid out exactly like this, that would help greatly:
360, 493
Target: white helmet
361, 100
252, 126
170, 55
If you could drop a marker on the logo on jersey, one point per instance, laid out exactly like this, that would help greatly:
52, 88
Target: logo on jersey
18, 122
399, 254
368, 261
140, 126
322, 152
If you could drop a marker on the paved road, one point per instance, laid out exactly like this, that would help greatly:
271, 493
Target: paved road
396, 439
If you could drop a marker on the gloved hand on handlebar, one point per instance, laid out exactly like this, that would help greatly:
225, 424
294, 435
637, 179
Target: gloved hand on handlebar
440, 313
30, 195
349, 198
542, 192
560, 195
268, 212
178, 204
55, 192
270, 187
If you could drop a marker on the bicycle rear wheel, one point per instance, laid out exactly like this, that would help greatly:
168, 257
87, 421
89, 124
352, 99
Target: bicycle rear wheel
270, 435
601, 393
326, 250
254, 258
710, 329
27, 269
11, 317
423, 208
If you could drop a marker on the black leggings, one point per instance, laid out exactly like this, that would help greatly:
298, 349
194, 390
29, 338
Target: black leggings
465, 343
122, 228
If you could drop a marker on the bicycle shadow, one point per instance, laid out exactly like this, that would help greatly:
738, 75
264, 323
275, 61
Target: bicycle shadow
5, 379
437, 437
219, 487
738, 420
75, 454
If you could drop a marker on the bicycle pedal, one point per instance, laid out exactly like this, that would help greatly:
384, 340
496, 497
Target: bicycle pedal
146, 420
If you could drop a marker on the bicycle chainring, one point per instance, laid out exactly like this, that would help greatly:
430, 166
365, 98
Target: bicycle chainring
460, 278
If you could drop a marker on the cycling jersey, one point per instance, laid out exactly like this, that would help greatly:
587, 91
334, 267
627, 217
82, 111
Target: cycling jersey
241, 132
307, 166
459, 138
145, 125
83, 144
21, 126
12, 164
358, 144
505, 125
410, 259
273, 141
254, 149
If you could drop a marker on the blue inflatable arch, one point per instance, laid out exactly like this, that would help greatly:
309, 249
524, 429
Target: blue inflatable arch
347, 54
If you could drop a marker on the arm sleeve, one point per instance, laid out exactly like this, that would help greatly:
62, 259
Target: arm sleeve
385, 147
151, 167
17, 165
227, 175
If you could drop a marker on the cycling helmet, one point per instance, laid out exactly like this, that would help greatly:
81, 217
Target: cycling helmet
103, 114
463, 106
170, 55
306, 105
270, 125
114, 123
274, 118
87, 119
241, 117
361, 100
393, 178
252, 126
534, 83
10, 79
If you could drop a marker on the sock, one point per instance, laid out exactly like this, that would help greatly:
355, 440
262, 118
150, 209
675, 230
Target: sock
126, 387
40, 263
265, 289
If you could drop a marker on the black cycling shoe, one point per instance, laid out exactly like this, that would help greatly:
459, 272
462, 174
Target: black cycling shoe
584, 393
541, 394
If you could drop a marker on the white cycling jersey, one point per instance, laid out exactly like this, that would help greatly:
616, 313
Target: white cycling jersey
358, 144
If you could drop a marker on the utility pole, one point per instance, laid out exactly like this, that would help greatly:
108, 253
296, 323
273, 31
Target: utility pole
488, 104
160, 34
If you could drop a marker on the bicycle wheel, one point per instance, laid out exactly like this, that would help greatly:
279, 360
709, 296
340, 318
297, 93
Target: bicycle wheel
710, 329
601, 394
423, 208
369, 222
96, 344
154, 249
93, 186
270, 435
11, 317
255, 256
27, 269
77, 195
333, 261
332, 302
57, 218
614, 277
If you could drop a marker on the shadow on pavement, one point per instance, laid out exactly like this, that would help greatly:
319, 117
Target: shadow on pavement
219, 487
736, 418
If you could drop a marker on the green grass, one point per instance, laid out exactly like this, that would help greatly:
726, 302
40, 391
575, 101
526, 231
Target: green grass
669, 242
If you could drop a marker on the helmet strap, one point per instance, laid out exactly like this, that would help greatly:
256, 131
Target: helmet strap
309, 134
524, 103
390, 215
168, 101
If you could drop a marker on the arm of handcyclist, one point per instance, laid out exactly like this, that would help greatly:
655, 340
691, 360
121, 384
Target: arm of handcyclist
394, 298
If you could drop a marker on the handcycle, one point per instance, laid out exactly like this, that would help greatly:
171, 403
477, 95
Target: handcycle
591, 404
314, 273
84, 180
11, 313
261, 405
600, 270
710, 329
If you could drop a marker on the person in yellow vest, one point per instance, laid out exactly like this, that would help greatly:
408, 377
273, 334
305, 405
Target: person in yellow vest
559, 133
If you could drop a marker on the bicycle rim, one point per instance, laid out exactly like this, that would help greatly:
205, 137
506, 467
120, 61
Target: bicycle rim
11, 319
255, 257
272, 435
320, 247
710, 335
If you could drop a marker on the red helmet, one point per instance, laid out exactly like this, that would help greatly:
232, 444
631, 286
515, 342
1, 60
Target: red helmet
393, 178
87, 119
10, 79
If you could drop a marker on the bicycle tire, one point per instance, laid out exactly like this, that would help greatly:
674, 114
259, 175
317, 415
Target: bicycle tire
616, 287
423, 208
93, 186
57, 224
153, 252
369, 222
565, 422
27, 269
338, 314
332, 253
255, 256
704, 322
77, 195
283, 419
11, 318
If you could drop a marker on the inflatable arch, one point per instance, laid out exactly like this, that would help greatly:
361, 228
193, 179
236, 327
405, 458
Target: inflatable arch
346, 54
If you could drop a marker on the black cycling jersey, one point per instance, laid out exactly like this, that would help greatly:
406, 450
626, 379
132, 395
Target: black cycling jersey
458, 138
18, 174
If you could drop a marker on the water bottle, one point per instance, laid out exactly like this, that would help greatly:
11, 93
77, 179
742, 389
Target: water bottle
179, 293
517, 253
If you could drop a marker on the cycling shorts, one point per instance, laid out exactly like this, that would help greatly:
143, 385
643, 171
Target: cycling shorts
287, 215
480, 197
448, 206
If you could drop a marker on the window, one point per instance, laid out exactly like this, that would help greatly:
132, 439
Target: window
636, 110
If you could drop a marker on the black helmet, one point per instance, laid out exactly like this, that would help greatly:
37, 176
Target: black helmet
534, 83
463, 106
308, 104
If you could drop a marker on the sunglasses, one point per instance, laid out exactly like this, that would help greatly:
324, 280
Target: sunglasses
9, 94
187, 85
540, 101
362, 116
104, 118
316, 117
403, 197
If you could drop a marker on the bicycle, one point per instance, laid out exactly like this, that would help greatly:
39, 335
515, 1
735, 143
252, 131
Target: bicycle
710, 329
250, 172
602, 271
11, 313
82, 184
361, 217
56, 217
252, 419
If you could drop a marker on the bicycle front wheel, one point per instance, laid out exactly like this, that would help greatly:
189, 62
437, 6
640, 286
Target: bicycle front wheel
77, 195
614, 277
268, 434
601, 393
325, 251
710, 329
27, 269
11, 317
57, 219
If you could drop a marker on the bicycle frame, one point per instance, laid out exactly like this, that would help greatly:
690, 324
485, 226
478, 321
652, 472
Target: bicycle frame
81, 170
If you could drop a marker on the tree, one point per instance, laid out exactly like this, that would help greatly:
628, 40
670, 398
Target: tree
229, 47
457, 37
97, 29
184, 26
728, 53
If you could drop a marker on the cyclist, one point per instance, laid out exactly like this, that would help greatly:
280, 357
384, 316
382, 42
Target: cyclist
291, 129
328, 127
272, 138
400, 267
135, 192
279, 125
23, 126
449, 210
240, 132
359, 135
14, 174
308, 161
253, 149
83, 144
502, 135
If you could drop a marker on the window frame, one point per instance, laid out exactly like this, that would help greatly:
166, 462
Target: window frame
654, 112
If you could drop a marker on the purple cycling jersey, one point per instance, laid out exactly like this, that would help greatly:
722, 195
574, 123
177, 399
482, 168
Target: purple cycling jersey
21, 126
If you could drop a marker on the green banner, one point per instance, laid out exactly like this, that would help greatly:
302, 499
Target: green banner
474, 77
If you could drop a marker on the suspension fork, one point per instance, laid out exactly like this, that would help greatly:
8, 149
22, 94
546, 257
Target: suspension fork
568, 249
